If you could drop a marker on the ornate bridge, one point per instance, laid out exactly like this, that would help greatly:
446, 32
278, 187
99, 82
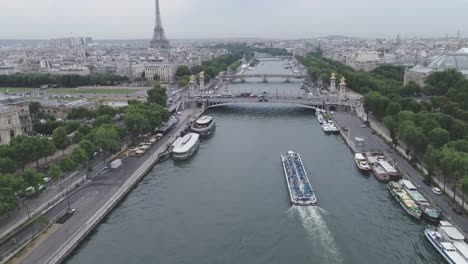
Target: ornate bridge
320, 102
264, 77
267, 57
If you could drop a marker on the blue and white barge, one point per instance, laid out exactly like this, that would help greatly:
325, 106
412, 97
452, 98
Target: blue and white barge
299, 187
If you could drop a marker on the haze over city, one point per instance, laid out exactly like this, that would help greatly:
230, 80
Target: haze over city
126, 19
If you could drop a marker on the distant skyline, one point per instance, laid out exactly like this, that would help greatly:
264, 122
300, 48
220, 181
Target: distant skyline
204, 19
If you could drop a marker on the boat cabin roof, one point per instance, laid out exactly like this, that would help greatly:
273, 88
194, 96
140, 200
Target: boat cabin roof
359, 156
185, 143
452, 232
389, 168
204, 120
408, 185
462, 247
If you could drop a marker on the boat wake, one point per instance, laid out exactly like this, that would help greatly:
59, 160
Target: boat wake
317, 230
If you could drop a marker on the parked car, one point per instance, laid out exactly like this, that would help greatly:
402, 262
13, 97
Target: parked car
436, 190
457, 210
427, 182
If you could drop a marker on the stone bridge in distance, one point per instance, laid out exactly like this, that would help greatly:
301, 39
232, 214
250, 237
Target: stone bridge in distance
263, 77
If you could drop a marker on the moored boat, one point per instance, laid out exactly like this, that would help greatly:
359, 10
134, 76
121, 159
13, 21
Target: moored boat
428, 211
204, 126
404, 199
361, 162
326, 128
333, 128
449, 242
379, 172
299, 187
184, 147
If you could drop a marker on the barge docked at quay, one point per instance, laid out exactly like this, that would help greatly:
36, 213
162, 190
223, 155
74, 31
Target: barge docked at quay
204, 126
404, 199
299, 187
428, 211
381, 168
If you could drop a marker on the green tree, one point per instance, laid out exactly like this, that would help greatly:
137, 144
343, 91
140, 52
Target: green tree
47, 148
54, 171
79, 155
182, 71
103, 119
88, 147
392, 126
32, 177
24, 149
34, 108
393, 109
107, 139
60, 138
105, 110
136, 123
7, 165
68, 164
438, 137
464, 189
158, 95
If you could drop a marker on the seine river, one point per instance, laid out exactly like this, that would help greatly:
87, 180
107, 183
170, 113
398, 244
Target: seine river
229, 203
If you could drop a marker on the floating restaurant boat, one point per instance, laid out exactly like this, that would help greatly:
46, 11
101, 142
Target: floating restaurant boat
204, 126
404, 199
184, 147
299, 187
449, 242
428, 211
391, 171
361, 162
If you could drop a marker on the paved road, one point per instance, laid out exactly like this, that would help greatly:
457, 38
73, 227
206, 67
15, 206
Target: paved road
374, 142
97, 192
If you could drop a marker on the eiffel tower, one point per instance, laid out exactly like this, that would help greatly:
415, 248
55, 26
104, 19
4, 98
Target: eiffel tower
159, 40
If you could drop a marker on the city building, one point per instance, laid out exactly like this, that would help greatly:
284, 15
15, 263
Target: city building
21, 106
10, 124
452, 60
165, 72
417, 74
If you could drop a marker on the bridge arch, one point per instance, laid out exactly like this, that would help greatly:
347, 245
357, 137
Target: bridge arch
303, 105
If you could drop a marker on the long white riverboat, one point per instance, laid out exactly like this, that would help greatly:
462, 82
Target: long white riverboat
204, 126
299, 187
184, 147
449, 242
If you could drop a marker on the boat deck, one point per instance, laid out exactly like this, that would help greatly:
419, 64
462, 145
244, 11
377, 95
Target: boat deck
299, 187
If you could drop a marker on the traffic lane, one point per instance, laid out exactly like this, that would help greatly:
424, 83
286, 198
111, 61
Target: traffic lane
85, 210
106, 185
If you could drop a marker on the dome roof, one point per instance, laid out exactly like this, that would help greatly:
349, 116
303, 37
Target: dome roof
457, 60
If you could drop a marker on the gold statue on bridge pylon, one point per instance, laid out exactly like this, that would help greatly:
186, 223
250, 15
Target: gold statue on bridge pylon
343, 81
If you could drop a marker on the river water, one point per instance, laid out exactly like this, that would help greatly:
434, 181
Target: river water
229, 203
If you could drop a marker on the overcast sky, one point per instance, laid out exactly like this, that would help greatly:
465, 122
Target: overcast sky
134, 19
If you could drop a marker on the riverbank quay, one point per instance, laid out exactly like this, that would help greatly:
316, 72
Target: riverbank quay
373, 142
98, 197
